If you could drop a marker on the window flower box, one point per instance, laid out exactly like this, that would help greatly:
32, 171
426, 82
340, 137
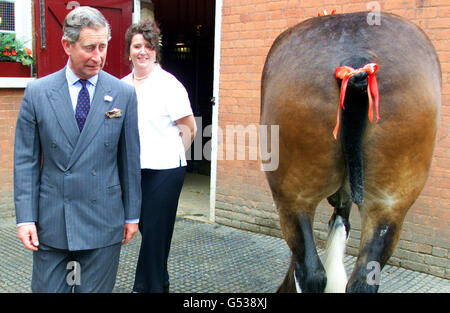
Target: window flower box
14, 69
15, 58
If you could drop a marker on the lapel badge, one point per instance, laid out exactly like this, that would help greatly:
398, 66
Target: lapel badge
108, 98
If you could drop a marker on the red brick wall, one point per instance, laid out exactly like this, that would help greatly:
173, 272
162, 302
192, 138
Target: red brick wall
243, 198
10, 100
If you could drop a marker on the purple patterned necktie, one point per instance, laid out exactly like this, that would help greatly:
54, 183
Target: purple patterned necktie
83, 105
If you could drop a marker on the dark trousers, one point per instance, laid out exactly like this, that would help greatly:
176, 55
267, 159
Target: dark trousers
83, 271
160, 193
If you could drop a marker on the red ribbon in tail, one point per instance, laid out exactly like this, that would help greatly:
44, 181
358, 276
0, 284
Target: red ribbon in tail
344, 73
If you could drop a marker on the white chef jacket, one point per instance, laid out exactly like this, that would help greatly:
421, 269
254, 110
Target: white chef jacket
162, 100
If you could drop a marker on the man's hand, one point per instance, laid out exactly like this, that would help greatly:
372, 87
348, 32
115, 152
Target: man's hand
129, 231
28, 235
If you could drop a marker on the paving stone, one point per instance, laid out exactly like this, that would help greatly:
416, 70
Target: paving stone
208, 258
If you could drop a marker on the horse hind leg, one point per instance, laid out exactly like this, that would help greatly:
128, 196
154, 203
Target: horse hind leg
342, 203
334, 257
379, 237
306, 272
339, 229
289, 284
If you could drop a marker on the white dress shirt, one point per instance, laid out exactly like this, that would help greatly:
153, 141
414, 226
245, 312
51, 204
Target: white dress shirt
75, 86
162, 100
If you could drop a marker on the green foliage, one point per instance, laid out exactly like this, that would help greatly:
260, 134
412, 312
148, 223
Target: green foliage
12, 50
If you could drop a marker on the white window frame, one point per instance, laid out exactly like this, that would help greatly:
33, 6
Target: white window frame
23, 20
10, 1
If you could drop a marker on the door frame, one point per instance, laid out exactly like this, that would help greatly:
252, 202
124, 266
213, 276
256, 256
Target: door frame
136, 17
215, 110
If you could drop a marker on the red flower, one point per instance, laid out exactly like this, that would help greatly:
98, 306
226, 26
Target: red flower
14, 52
28, 51
6, 47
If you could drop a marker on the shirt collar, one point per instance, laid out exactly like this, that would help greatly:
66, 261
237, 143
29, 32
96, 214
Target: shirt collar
72, 79
156, 69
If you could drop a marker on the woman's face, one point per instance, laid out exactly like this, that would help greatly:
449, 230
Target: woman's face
140, 52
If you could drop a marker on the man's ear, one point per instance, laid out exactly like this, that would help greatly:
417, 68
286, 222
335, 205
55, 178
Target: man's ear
66, 46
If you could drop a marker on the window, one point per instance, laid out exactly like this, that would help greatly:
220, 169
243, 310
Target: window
7, 21
15, 17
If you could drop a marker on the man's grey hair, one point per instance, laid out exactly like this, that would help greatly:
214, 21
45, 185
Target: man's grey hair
80, 18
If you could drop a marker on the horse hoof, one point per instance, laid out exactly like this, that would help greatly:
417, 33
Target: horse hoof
361, 286
314, 282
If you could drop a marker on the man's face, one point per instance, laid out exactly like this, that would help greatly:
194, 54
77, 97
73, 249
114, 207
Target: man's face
87, 56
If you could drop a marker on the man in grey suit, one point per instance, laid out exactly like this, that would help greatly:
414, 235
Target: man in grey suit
76, 165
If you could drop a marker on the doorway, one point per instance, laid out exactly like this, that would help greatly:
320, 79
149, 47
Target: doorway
48, 24
187, 29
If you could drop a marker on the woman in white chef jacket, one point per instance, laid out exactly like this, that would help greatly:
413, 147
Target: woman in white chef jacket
166, 128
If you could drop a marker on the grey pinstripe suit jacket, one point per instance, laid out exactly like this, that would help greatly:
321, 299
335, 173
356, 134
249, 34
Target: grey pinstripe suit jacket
89, 183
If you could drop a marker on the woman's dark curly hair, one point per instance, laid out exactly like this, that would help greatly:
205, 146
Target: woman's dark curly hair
151, 33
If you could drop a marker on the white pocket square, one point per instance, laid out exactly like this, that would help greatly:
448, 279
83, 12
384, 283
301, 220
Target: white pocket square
114, 113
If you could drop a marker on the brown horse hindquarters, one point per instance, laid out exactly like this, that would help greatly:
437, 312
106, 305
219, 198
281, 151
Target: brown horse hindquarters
311, 168
397, 157
300, 94
311, 164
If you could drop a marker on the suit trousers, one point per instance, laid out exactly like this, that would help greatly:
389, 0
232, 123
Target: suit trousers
160, 194
83, 271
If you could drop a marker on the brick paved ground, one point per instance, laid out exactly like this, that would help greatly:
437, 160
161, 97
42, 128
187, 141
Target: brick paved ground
208, 258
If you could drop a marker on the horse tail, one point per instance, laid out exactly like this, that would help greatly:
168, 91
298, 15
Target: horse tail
355, 103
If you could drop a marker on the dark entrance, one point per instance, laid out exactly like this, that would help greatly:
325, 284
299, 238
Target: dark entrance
187, 28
